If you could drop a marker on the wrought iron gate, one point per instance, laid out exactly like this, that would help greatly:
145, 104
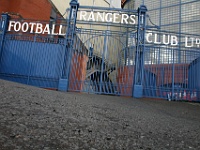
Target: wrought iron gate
30, 58
173, 67
118, 59
98, 53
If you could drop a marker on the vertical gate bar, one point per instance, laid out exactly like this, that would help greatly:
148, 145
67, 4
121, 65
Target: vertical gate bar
172, 96
180, 25
63, 84
103, 59
3, 26
32, 56
139, 57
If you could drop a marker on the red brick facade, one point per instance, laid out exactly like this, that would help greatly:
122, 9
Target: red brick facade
32, 9
162, 72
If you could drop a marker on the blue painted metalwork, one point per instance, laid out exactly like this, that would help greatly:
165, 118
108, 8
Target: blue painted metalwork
171, 66
105, 66
140, 49
32, 63
174, 80
3, 27
149, 81
71, 26
193, 78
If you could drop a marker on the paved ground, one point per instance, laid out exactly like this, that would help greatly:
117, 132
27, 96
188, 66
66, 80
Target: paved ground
34, 118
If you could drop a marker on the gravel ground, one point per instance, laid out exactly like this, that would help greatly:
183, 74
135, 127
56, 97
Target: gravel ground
39, 119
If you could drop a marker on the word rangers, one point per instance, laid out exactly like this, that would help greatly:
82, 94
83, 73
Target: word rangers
107, 17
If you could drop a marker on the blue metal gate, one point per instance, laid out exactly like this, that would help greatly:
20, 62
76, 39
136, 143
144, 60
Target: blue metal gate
30, 58
122, 60
174, 68
98, 55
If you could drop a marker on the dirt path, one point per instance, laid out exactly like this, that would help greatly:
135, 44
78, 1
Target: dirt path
34, 118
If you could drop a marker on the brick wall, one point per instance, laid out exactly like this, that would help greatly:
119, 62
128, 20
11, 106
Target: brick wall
4, 5
32, 9
162, 72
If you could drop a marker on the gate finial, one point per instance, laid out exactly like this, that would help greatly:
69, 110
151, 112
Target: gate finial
142, 9
74, 2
